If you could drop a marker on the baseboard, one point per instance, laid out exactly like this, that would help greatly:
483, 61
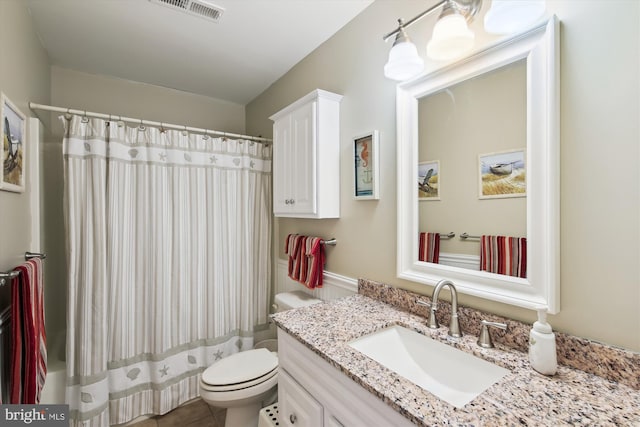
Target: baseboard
469, 262
334, 285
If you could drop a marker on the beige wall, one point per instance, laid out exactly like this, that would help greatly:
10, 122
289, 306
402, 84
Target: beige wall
24, 77
486, 114
600, 207
110, 95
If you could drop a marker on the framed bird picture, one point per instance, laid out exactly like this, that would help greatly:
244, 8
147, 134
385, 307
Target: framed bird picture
429, 180
13, 146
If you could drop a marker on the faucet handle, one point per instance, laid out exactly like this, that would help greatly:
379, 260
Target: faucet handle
484, 339
432, 323
423, 303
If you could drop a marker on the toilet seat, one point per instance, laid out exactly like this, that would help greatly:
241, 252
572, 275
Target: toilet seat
240, 371
239, 386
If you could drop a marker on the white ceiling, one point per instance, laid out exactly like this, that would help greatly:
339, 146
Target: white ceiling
236, 59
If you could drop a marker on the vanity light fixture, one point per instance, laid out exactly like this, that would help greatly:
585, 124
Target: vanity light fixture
451, 35
404, 61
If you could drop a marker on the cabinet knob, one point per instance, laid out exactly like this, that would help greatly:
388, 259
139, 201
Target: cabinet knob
293, 418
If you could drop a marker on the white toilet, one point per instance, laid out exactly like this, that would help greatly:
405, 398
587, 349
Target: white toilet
243, 381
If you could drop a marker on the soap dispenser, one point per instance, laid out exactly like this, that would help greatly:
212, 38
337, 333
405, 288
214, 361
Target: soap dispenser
542, 346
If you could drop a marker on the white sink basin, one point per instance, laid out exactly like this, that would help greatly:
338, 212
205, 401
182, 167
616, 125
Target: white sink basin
451, 374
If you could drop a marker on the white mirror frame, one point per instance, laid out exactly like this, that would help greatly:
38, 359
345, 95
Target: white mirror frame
541, 289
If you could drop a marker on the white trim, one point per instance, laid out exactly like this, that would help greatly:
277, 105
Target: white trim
334, 285
471, 262
541, 288
35, 135
311, 96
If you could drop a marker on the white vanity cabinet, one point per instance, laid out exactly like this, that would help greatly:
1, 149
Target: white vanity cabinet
306, 157
312, 393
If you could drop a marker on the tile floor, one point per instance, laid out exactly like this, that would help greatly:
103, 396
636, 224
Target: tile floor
194, 414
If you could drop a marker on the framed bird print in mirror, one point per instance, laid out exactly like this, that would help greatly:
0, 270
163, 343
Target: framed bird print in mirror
429, 180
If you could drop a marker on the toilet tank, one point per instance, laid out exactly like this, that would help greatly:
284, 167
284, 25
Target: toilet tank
296, 299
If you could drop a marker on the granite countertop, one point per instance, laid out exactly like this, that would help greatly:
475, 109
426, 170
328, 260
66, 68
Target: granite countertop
522, 397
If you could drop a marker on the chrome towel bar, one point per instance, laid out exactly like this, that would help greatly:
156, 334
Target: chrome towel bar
468, 236
330, 242
14, 273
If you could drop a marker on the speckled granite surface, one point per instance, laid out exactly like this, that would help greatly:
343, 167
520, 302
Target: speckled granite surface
609, 362
523, 397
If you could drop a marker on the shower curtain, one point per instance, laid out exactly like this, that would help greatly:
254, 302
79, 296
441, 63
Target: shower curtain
169, 243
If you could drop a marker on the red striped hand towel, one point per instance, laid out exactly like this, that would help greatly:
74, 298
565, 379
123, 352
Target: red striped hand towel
306, 259
29, 356
429, 249
504, 255
300, 260
316, 259
289, 249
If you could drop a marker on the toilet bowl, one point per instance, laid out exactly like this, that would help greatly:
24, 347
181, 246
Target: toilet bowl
240, 383
244, 381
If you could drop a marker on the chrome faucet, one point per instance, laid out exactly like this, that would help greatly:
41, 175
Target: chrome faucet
454, 325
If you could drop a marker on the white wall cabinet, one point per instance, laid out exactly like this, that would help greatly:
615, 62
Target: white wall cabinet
306, 157
311, 392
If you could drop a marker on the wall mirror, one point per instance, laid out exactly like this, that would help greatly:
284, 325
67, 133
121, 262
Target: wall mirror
478, 153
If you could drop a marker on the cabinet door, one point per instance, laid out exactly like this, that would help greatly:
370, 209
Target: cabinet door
282, 182
297, 407
303, 159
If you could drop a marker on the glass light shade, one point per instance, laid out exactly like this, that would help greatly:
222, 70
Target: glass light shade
451, 38
509, 16
404, 62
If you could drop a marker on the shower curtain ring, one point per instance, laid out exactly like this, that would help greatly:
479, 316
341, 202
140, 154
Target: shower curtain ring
205, 136
67, 115
85, 119
184, 131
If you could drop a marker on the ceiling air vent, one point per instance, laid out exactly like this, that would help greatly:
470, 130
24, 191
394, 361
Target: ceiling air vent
200, 8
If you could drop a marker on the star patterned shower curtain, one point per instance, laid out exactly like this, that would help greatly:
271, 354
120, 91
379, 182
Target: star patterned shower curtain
169, 243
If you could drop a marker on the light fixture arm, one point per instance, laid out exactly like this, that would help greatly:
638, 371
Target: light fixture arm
467, 8
413, 20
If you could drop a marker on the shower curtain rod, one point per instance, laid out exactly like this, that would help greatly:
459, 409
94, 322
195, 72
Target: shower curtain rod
34, 106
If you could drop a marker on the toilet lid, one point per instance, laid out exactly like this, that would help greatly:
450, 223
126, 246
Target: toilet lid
241, 367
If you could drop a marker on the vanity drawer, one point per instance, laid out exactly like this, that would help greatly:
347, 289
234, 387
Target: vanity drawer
297, 407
